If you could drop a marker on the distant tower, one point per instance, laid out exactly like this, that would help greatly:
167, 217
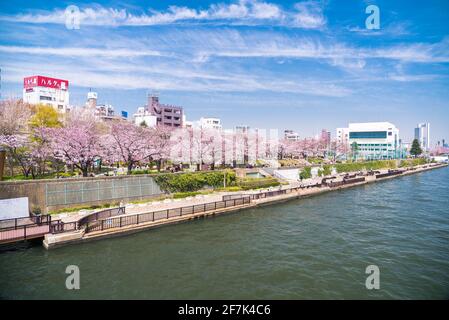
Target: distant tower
422, 134
92, 99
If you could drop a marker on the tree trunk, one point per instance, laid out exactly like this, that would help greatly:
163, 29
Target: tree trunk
85, 170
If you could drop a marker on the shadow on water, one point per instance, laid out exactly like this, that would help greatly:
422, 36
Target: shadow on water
20, 245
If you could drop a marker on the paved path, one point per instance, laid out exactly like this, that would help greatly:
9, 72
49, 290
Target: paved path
23, 233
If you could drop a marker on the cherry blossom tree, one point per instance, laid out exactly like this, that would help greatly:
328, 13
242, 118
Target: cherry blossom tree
14, 117
17, 147
160, 144
79, 143
133, 144
128, 143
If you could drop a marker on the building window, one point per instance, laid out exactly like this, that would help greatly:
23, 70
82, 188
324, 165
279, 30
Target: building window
368, 135
45, 98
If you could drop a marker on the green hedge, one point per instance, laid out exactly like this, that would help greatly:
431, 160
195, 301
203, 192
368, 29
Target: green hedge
255, 183
327, 170
188, 182
368, 165
412, 162
144, 171
306, 173
180, 195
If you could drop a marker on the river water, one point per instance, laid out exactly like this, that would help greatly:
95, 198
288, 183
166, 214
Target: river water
312, 248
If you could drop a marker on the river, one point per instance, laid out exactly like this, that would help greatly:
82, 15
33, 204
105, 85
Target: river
312, 248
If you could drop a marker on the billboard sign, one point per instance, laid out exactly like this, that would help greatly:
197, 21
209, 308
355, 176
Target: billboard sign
40, 81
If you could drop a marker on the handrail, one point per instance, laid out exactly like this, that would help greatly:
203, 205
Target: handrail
98, 215
138, 218
36, 220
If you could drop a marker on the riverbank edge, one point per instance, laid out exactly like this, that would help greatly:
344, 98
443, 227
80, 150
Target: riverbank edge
59, 240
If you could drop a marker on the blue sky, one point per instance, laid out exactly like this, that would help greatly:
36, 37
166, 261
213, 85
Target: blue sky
302, 65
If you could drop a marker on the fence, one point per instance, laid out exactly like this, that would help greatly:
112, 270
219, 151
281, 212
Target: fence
77, 192
267, 194
136, 219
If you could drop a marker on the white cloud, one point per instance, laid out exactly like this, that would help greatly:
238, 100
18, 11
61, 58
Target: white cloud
241, 12
309, 16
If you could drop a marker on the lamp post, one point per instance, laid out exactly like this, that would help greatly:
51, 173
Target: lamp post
224, 178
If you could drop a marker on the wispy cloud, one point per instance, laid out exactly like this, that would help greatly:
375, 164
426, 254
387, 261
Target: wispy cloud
306, 15
104, 77
78, 52
394, 29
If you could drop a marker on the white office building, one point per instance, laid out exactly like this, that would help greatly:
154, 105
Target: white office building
205, 123
210, 123
342, 135
375, 140
291, 135
143, 116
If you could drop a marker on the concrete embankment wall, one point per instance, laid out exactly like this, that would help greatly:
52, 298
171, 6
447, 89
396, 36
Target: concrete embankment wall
57, 194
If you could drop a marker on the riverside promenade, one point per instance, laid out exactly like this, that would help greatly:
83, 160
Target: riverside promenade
135, 218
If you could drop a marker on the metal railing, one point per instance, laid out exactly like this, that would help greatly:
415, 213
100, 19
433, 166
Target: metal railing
136, 219
25, 227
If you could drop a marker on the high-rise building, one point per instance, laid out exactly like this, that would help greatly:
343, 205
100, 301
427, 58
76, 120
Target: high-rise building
45, 90
326, 137
422, 134
155, 113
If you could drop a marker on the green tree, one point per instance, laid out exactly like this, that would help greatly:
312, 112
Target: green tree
416, 148
305, 173
45, 117
355, 150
